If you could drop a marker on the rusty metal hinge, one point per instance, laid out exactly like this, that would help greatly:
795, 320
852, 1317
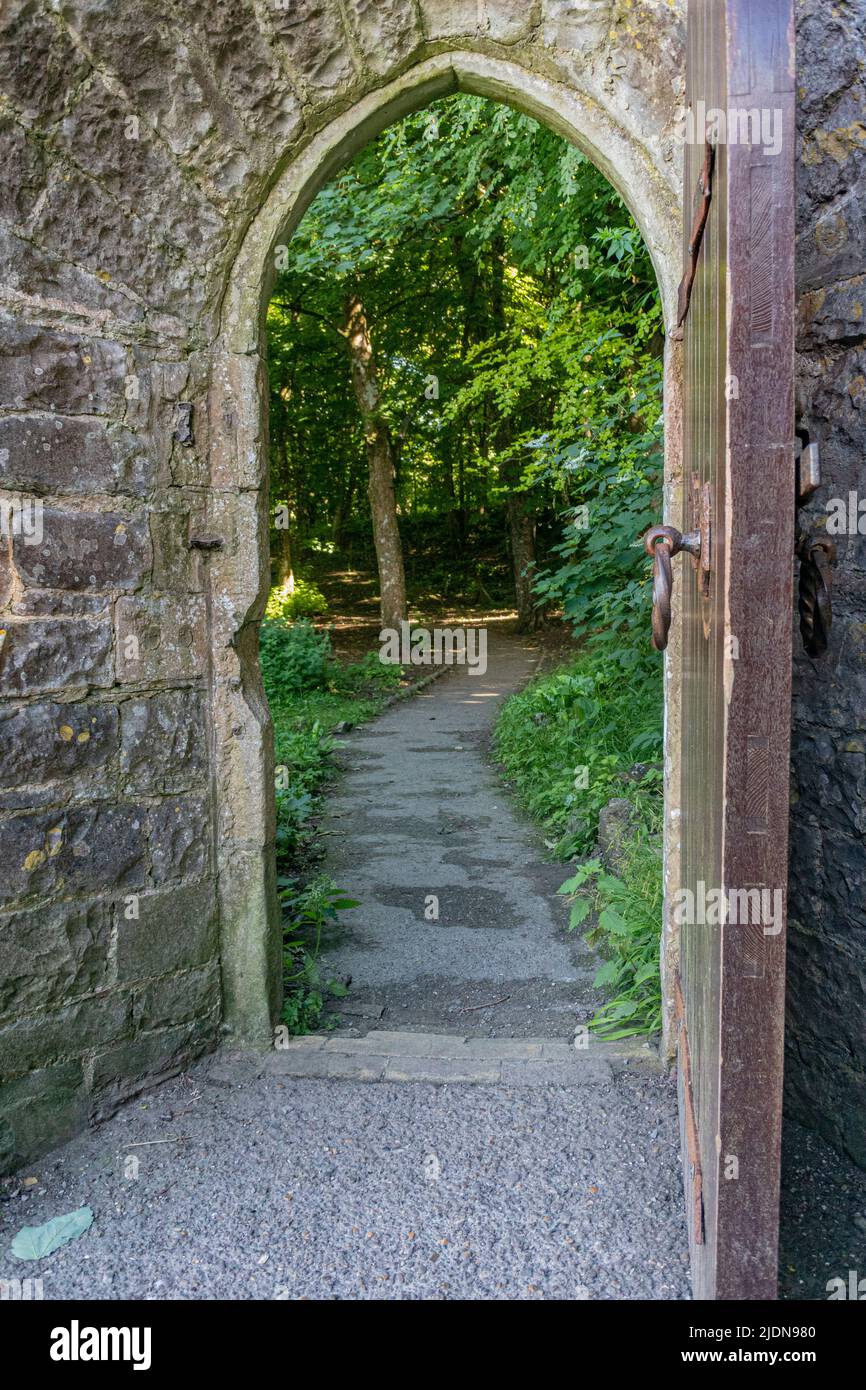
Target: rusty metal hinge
703, 198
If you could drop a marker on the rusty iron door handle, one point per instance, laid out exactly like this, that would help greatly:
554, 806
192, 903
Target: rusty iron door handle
662, 543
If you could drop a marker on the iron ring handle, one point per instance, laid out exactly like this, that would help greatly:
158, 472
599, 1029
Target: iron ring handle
662, 543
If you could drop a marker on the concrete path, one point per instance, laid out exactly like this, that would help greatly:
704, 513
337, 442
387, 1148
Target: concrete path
459, 928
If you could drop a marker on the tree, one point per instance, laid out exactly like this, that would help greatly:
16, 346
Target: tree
486, 259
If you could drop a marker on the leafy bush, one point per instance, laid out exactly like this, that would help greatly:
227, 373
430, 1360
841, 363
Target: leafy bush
627, 933
296, 598
294, 657
569, 740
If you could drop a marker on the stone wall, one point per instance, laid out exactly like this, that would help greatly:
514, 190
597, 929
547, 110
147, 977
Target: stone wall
150, 153
826, 1063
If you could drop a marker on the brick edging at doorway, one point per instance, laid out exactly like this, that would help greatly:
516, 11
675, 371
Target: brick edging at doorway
442, 1058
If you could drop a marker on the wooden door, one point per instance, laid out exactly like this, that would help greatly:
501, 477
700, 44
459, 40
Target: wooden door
739, 449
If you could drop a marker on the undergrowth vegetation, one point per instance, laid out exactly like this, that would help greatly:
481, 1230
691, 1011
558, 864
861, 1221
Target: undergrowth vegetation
310, 694
570, 743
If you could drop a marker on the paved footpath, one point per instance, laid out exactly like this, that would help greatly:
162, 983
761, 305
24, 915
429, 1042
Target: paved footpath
460, 928
449, 1140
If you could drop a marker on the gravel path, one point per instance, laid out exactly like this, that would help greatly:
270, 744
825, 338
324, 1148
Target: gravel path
428, 1149
449, 1144
295, 1188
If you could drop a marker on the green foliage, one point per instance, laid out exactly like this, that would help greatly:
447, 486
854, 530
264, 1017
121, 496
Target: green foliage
307, 911
627, 931
309, 692
294, 656
494, 257
301, 598
568, 740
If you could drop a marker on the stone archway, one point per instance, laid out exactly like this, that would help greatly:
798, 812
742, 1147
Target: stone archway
250, 938
153, 155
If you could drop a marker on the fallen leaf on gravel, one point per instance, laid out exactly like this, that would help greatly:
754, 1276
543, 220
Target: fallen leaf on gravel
35, 1242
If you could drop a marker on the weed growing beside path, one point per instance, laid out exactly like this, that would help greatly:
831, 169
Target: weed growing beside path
311, 696
570, 743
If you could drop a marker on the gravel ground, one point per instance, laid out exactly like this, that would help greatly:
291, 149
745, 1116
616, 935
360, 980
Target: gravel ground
236, 1182
327, 1189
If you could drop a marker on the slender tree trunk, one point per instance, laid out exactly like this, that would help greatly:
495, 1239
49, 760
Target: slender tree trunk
521, 529
519, 514
285, 571
380, 461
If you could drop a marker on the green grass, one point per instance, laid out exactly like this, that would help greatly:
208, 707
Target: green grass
569, 743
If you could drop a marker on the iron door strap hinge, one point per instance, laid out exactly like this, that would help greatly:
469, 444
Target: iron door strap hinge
703, 198
817, 556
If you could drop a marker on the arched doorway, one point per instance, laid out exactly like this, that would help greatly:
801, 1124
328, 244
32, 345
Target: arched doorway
243, 771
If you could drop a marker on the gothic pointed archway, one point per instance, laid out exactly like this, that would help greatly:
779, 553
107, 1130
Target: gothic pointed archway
238, 460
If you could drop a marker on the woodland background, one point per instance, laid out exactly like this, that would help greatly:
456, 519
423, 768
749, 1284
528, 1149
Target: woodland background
465, 358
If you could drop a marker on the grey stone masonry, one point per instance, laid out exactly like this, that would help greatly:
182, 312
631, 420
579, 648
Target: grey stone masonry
826, 1052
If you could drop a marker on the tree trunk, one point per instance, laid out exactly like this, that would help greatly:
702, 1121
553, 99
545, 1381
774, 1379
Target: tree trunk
285, 571
380, 461
519, 514
521, 529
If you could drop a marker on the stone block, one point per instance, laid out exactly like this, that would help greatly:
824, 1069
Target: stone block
86, 550
178, 999
69, 1032
163, 742
43, 369
311, 37
125, 1069
449, 19
98, 847
53, 953
387, 32
62, 454
443, 1070
173, 930
161, 638
39, 1111
180, 838
50, 654
45, 742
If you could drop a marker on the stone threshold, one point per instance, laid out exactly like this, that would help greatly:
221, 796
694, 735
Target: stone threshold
443, 1058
